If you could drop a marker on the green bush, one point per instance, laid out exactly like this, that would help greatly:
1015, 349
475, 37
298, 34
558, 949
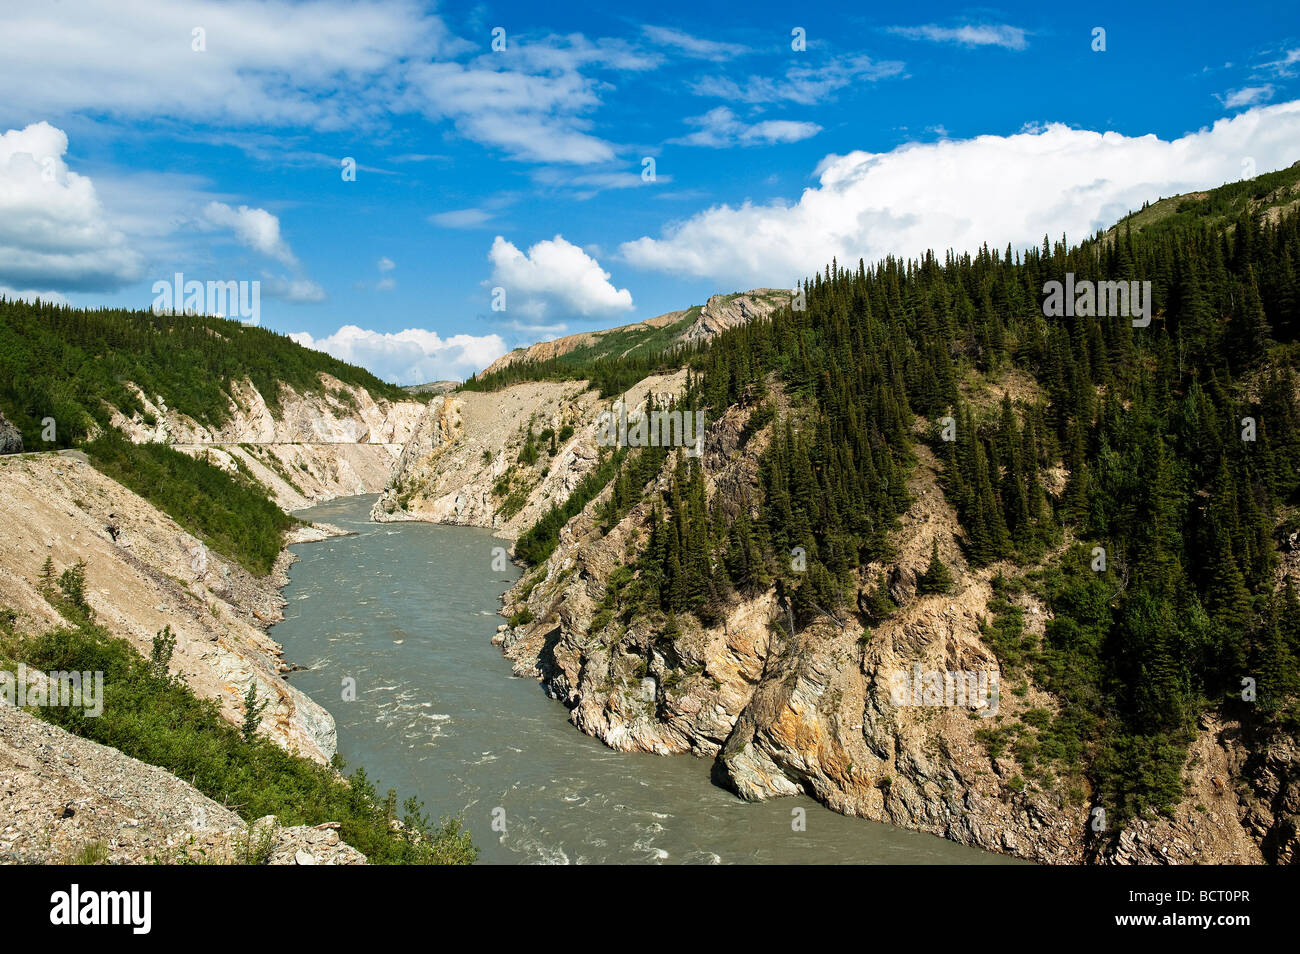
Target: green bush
160, 721
231, 514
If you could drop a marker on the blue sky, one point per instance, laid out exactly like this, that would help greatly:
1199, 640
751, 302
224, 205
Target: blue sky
138, 147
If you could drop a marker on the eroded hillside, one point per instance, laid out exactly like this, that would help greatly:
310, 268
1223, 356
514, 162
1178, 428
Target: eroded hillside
466, 463
814, 712
338, 442
144, 573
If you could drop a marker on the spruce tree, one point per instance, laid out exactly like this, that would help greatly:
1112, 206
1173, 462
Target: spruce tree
936, 578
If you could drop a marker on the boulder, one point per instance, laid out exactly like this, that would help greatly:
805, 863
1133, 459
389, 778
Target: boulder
902, 585
11, 439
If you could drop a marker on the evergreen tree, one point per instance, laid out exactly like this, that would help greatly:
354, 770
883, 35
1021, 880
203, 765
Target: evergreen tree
936, 578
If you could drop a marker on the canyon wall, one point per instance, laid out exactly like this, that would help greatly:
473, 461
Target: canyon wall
312, 448
463, 464
144, 572
815, 713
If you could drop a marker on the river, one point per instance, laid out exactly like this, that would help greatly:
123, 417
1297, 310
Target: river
408, 611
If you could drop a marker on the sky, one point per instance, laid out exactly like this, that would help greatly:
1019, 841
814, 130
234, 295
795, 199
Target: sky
418, 188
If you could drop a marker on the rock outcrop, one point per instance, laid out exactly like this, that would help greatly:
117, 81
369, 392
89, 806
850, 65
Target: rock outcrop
144, 572
724, 312
463, 465
718, 314
342, 414
556, 347
312, 448
818, 712
68, 799
11, 439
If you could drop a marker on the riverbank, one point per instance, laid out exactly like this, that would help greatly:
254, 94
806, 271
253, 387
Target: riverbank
405, 614
144, 573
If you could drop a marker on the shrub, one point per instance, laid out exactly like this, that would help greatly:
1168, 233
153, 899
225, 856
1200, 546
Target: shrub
160, 721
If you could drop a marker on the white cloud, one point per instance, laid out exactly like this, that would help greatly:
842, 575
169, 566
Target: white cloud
30, 294
960, 194
566, 54
386, 264
554, 275
693, 46
1246, 96
806, 85
720, 127
322, 64
461, 218
53, 230
413, 356
585, 185
257, 229
984, 34
277, 62
1286, 66
296, 290
535, 117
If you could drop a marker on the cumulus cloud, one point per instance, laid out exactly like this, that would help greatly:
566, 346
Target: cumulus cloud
806, 85
720, 127
53, 230
962, 193
554, 275
258, 229
984, 34
413, 356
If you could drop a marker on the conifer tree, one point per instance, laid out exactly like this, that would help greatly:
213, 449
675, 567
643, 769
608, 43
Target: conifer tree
936, 578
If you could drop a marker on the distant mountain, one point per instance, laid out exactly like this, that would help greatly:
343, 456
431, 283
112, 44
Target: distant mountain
693, 325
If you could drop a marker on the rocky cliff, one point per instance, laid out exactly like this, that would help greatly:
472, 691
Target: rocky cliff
68, 800
11, 440
144, 572
816, 712
689, 326
463, 464
723, 312
312, 448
